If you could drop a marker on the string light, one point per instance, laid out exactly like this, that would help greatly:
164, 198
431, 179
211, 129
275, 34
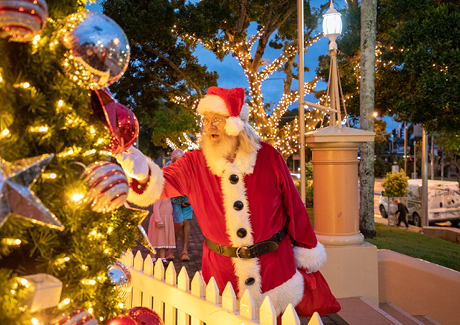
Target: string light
63, 303
77, 197
284, 140
11, 241
88, 282
37, 129
49, 175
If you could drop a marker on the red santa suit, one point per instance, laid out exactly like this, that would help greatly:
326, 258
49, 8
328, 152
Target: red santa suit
243, 203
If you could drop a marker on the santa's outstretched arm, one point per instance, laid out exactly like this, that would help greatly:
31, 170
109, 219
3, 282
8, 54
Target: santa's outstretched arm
146, 181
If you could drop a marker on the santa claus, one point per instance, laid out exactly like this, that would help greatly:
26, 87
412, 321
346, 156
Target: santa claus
258, 233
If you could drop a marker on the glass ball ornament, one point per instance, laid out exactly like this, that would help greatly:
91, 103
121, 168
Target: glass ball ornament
145, 316
121, 320
22, 20
121, 277
97, 49
108, 186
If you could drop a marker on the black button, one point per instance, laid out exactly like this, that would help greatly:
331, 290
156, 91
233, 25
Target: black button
234, 178
241, 232
238, 205
250, 281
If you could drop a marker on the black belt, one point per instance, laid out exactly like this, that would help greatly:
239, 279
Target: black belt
252, 251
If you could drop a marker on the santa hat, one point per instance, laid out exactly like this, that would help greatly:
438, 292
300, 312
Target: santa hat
227, 102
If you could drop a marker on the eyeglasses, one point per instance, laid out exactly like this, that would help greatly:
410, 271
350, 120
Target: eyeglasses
215, 121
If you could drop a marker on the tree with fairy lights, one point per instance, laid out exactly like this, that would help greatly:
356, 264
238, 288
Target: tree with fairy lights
224, 27
62, 220
164, 79
416, 62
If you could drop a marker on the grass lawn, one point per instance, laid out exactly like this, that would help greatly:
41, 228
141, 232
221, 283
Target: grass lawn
416, 245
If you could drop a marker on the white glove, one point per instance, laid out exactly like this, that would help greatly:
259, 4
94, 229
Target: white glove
134, 163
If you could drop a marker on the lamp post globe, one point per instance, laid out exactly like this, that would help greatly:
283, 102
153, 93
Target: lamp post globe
332, 25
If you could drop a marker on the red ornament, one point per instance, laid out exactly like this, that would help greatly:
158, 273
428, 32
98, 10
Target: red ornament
121, 320
21, 20
145, 316
118, 119
107, 186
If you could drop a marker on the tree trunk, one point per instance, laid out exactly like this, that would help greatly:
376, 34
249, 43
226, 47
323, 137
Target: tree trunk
366, 166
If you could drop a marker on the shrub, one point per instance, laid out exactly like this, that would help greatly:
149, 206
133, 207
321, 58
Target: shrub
395, 184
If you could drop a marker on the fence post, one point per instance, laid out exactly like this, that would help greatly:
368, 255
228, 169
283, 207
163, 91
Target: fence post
212, 291
197, 290
171, 279
229, 298
183, 283
315, 319
147, 300
267, 313
159, 274
137, 292
247, 306
290, 316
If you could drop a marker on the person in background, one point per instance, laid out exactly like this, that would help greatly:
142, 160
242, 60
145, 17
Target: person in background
402, 210
182, 214
258, 233
161, 228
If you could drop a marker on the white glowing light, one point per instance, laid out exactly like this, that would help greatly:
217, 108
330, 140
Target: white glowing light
77, 197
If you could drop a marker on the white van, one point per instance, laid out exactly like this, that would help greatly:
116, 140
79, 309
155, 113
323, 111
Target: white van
443, 202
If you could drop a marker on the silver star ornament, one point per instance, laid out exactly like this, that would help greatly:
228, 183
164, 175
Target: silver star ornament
16, 198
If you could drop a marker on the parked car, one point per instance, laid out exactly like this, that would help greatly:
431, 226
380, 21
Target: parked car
443, 202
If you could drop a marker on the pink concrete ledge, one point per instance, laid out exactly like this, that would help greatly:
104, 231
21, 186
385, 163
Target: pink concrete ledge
419, 287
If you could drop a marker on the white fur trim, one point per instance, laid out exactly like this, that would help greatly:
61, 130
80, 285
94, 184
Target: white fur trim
244, 114
244, 161
233, 126
153, 190
310, 258
216, 165
212, 103
290, 291
248, 268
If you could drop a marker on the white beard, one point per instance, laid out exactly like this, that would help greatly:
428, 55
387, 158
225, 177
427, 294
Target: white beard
216, 153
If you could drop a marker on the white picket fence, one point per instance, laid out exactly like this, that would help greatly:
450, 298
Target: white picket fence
181, 302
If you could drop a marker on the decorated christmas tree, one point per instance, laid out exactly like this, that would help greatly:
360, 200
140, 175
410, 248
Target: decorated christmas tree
63, 224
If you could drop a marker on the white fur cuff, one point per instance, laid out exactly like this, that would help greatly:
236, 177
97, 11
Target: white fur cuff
310, 258
153, 190
233, 126
290, 291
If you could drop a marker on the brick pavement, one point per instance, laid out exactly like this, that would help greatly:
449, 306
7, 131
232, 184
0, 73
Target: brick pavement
195, 244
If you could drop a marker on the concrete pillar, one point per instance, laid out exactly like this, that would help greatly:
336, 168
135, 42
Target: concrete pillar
351, 269
335, 183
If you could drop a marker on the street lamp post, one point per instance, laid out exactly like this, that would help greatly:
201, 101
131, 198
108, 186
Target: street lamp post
352, 263
300, 26
332, 28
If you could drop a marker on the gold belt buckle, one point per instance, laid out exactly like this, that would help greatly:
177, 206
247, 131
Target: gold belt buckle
238, 251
